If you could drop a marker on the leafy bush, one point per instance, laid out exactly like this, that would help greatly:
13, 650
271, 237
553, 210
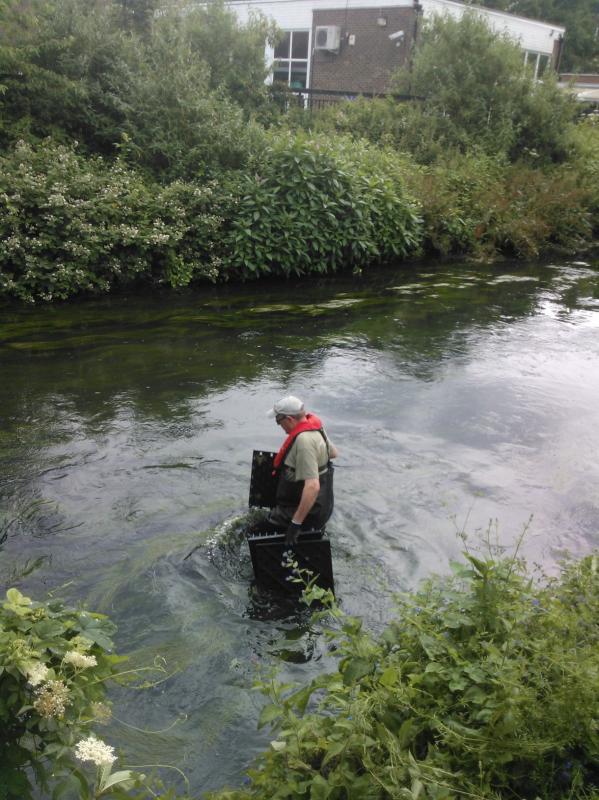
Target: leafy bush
310, 205
534, 210
477, 205
70, 224
585, 161
477, 92
54, 662
453, 194
486, 685
174, 97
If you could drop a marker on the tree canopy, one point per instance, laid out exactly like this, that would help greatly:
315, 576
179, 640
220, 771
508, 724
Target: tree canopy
113, 74
478, 93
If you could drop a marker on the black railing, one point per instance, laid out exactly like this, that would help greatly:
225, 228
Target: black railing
315, 99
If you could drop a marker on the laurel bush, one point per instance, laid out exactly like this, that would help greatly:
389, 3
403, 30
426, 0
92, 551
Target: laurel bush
312, 205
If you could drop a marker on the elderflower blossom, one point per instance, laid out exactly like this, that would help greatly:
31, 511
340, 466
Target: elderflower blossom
52, 699
37, 674
94, 750
79, 660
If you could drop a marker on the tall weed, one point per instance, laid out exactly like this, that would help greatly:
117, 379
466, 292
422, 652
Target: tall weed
486, 685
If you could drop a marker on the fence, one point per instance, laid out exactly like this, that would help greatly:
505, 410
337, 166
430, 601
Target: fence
315, 99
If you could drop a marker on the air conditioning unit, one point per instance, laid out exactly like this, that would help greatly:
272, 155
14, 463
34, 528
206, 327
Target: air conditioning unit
327, 37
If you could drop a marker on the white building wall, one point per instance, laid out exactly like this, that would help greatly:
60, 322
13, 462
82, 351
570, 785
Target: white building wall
531, 34
297, 14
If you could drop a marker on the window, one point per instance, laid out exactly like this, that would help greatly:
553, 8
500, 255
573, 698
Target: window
538, 61
291, 59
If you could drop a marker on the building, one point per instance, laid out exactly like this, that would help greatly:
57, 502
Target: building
585, 87
356, 45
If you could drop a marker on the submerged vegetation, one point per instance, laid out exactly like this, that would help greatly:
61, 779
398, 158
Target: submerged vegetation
145, 148
484, 685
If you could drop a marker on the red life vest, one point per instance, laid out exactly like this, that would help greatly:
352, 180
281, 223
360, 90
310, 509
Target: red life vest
311, 423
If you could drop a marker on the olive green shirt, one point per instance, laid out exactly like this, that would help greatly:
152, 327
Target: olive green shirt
308, 456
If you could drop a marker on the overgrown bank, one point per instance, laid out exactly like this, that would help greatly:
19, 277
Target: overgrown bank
304, 203
146, 149
485, 685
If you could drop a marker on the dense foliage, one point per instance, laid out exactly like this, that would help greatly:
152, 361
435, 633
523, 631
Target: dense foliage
486, 685
69, 224
54, 662
477, 93
173, 96
355, 192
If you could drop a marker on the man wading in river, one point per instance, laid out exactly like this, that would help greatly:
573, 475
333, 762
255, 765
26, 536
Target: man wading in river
304, 473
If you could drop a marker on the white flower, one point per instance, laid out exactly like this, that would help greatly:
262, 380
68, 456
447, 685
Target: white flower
52, 699
278, 745
37, 674
94, 750
79, 660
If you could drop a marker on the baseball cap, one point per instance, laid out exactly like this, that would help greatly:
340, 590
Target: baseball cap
289, 406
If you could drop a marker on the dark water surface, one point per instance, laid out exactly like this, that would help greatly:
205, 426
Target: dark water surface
457, 396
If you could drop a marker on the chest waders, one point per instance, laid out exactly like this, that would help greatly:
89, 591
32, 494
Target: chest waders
289, 493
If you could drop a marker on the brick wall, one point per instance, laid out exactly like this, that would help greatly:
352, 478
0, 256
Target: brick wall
367, 65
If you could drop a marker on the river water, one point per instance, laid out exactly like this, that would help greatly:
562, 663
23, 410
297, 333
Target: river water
464, 401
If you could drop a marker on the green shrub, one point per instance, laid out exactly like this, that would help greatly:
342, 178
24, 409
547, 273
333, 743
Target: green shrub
453, 195
477, 205
533, 210
70, 224
584, 161
311, 205
477, 93
486, 685
385, 122
54, 662
177, 92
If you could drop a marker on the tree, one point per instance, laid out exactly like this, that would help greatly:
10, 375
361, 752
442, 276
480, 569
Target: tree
477, 92
170, 90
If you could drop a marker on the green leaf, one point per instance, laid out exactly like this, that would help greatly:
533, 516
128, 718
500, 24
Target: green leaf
390, 677
407, 732
15, 597
334, 749
355, 669
269, 714
123, 776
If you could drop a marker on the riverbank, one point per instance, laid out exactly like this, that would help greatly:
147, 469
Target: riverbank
484, 685
303, 205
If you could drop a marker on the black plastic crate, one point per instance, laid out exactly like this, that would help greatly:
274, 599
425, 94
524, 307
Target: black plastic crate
311, 551
263, 484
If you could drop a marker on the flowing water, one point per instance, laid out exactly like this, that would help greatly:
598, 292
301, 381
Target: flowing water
463, 400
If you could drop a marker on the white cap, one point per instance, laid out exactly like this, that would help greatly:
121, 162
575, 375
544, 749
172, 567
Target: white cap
289, 406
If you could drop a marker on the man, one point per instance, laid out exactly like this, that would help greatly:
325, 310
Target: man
304, 472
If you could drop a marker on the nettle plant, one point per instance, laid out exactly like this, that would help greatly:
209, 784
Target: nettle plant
486, 686
54, 664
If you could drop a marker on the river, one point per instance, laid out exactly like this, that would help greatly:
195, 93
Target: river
464, 401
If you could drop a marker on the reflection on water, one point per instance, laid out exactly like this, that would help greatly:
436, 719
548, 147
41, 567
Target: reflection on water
456, 395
